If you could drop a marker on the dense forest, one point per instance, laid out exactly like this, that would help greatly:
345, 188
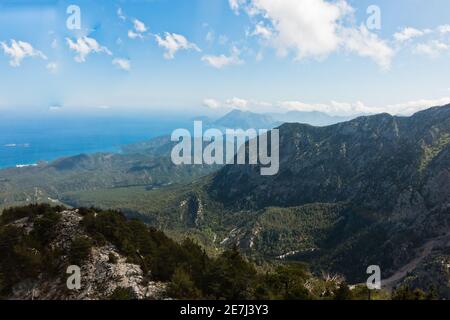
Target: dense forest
186, 268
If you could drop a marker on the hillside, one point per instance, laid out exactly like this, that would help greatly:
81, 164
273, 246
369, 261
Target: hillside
387, 178
124, 259
150, 168
373, 190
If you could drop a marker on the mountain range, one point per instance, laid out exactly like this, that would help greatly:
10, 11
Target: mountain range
374, 190
238, 119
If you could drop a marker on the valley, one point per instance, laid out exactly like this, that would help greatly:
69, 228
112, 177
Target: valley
370, 191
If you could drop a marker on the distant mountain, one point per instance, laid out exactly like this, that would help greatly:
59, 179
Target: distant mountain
314, 118
372, 190
237, 119
246, 119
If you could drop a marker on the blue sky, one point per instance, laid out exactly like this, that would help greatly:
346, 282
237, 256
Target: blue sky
206, 56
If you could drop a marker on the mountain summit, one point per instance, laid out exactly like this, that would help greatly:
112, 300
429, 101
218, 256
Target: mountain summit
373, 190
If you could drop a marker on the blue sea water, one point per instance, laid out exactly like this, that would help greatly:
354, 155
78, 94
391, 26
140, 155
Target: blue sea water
26, 141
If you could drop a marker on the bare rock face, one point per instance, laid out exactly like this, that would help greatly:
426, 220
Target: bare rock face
100, 275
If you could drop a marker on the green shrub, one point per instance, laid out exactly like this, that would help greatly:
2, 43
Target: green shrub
343, 292
112, 258
44, 229
121, 293
12, 214
18, 260
182, 287
80, 250
406, 293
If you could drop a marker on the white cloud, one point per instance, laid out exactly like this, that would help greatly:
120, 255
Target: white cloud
444, 28
235, 5
313, 28
84, 46
211, 103
134, 35
123, 64
19, 50
52, 67
262, 31
357, 108
307, 27
411, 107
173, 42
139, 26
222, 60
302, 106
432, 48
367, 44
139, 29
408, 33
238, 103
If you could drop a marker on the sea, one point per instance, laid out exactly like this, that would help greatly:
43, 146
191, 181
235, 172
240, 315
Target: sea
27, 141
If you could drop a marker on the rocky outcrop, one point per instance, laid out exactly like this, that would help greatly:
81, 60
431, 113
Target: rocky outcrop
102, 273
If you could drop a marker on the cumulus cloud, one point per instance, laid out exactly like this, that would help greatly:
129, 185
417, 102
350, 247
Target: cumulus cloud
139, 29
444, 29
313, 28
84, 46
211, 103
433, 41
408, 33
337, 108
367, 44
238, 103
411, 107
123, 64
432, 48
173, 42
139, 26
134, 35
19, 50
235, 5
221, 61
262, 31
358, 107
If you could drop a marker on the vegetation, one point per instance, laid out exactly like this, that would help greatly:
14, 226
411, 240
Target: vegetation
80, 250
406, 293
121, 293
26, 253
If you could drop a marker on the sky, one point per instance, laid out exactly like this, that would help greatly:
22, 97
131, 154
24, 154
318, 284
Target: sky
342, 57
